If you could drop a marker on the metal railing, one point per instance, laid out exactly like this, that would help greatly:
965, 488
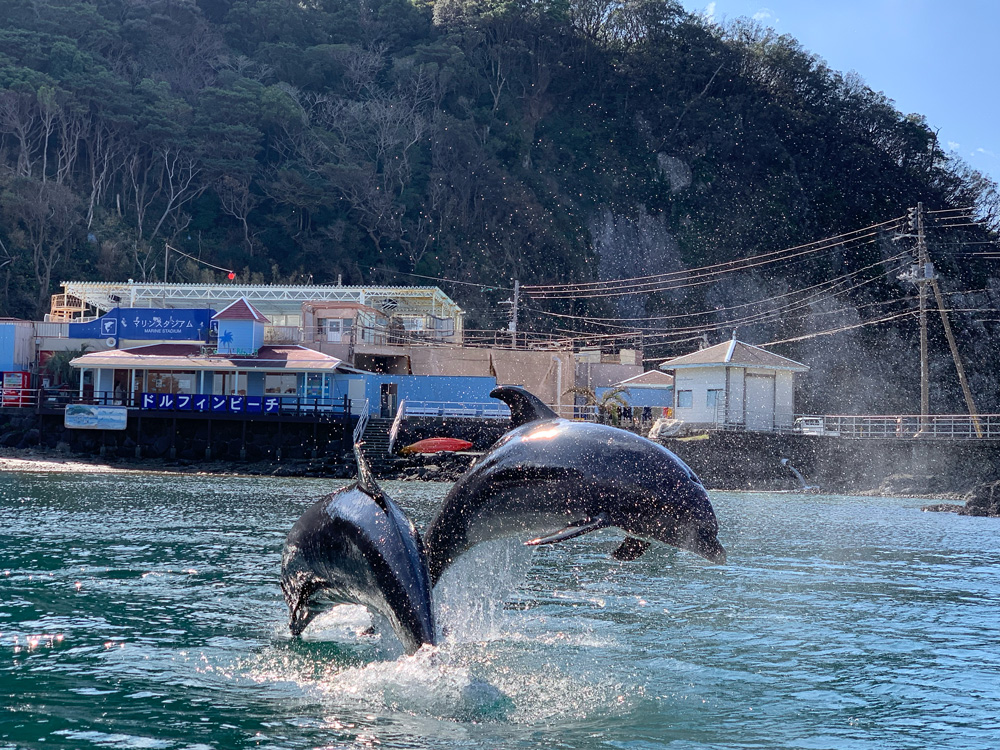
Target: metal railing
359, 428
910, 426
486, 410
876, 426
19, 397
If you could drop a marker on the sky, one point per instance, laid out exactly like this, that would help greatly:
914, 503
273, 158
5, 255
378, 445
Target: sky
939, 59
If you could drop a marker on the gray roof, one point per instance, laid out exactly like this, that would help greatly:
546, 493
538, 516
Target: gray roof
649, 379
734, 354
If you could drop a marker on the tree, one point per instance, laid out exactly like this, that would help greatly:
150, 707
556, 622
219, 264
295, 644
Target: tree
45, 216
608, 405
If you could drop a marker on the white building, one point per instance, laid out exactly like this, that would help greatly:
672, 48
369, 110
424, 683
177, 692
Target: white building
735, 385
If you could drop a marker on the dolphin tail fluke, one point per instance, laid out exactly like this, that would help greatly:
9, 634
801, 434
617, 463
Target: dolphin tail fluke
366, 477
575, 529
524, 406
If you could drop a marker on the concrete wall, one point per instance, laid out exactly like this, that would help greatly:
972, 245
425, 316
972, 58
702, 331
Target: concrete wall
602, 374
698, 380
733, 381
748, 461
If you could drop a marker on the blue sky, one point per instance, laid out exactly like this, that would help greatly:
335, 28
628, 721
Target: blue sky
938, 59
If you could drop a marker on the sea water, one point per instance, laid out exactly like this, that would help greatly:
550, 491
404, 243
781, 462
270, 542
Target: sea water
143, 611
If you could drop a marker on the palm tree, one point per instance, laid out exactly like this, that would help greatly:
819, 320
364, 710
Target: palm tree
610, 403
58, 367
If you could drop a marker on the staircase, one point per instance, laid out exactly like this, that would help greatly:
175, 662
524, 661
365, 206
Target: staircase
376, 440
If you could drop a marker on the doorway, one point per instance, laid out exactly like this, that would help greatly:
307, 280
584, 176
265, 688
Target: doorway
388, 393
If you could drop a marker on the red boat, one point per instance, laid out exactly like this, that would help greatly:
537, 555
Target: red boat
436, 445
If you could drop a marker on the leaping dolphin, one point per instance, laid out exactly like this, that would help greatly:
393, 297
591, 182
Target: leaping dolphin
552, 479
356, 546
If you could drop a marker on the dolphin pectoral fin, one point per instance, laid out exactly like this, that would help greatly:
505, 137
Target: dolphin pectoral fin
577, 528
630, 549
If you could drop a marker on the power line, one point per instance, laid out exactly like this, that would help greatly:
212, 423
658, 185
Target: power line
484, 287
199, 260
832, 331
542, 291
829, 282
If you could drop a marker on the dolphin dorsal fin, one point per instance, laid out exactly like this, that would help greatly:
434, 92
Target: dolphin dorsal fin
524, 406
366, 479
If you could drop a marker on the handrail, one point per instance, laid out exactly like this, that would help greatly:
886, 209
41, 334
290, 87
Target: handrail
394, 430
359, 428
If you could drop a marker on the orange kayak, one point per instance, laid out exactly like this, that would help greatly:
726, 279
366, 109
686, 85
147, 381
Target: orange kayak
436, 445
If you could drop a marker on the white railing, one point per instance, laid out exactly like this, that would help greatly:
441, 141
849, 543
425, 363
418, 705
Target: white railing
19, 397
910, 426
877, 426
485, 410
359, 428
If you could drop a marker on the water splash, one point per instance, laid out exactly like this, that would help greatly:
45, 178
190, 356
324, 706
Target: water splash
469, 598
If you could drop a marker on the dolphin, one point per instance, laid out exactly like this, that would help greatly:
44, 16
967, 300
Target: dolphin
356, 546
552, 479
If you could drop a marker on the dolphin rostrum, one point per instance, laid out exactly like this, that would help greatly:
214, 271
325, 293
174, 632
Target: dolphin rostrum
356, 546
552, 479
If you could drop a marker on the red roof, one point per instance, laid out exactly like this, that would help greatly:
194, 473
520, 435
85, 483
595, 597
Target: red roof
241, 310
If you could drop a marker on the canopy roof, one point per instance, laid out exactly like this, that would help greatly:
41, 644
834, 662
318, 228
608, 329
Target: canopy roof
193, 357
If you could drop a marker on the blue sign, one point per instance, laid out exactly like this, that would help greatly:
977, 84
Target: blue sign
147, 323
215, 403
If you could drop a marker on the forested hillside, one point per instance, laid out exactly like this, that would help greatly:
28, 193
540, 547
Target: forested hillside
390, 141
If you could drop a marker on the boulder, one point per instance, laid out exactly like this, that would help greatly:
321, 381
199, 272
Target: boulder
984, 501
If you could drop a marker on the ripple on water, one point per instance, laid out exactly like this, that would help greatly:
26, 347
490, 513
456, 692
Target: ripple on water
145, 612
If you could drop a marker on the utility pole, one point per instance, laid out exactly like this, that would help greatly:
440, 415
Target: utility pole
925, 275
922, 279
513, 312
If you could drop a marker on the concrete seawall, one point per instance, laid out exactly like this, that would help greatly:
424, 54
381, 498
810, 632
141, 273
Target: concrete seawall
747, 461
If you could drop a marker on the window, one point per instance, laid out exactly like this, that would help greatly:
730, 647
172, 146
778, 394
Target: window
716, 398
285, 384
168, 381
685, 399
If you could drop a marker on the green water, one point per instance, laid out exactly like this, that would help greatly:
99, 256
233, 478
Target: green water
143, 611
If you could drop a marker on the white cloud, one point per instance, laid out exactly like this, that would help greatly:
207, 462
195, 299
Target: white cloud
710, 11
953, 146
985, 152
763, 14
